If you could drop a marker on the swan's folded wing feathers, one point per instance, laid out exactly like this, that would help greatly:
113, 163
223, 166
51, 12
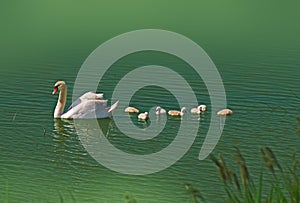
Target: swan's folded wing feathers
88, 109
113, 107
91, 95
86, 96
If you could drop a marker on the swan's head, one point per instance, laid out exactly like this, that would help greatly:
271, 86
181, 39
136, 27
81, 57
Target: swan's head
58, 86
158, 108
183, 110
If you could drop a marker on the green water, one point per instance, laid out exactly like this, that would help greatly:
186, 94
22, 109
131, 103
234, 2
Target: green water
255, 46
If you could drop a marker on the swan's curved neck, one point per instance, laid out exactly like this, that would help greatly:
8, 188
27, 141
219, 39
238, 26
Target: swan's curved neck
61, 102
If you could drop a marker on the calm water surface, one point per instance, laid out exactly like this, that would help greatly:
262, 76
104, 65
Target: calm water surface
43, 160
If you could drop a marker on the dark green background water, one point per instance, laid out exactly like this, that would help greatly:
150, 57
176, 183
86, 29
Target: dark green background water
255, 46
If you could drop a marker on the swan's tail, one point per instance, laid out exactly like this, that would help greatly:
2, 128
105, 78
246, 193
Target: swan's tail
113, 107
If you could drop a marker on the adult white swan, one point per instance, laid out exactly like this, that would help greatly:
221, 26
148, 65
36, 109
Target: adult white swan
89, 105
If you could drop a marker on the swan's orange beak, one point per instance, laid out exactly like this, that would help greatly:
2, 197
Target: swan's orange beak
55, 90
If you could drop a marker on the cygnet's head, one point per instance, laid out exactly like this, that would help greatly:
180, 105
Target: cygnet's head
202, 107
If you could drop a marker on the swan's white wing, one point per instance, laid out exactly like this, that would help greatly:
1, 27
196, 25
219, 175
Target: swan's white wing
86, 96
113, 107
105, 112
85, 109
90, 109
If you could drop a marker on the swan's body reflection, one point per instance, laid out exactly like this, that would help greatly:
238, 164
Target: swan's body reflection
68, 145
66, 127
63, 128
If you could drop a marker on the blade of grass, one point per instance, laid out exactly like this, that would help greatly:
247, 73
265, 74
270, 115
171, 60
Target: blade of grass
279, 194
272, 155
296, 191
231, 196
271, 195
248, 196
259, 189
